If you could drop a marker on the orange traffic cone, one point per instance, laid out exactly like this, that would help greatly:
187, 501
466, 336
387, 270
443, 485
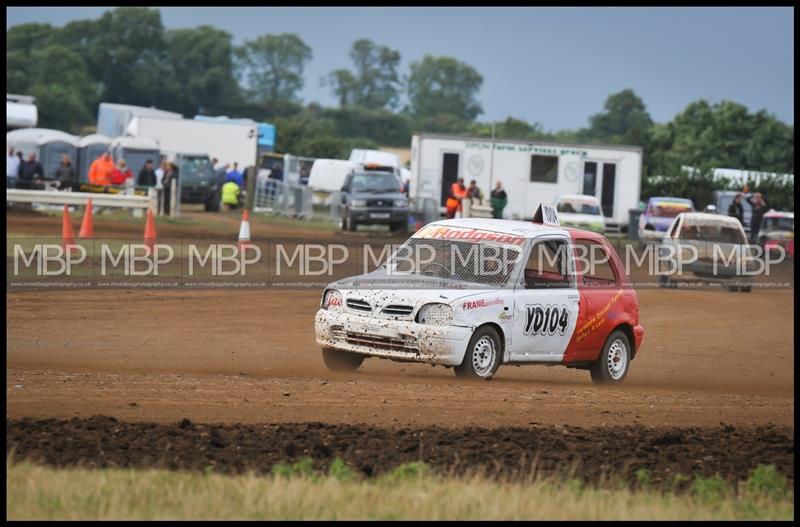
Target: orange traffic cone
244, 230
87, 226
67, 234
150, 231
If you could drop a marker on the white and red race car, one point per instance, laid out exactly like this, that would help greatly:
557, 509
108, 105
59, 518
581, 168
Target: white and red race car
536, 293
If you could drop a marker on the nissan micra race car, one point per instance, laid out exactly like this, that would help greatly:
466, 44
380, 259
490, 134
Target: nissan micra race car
533, 293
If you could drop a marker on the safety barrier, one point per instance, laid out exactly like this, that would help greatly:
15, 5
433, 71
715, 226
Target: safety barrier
48, 197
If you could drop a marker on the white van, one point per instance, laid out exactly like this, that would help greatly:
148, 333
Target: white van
328, 175
376, 157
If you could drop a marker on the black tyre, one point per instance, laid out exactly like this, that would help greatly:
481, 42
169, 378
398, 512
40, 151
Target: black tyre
612, 365
352, 225
343, 223
483, 355
341, 360
746, 289
733, 288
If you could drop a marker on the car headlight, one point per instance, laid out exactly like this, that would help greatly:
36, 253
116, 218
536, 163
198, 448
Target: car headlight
401, 203
358, 203
436, 314
331, 299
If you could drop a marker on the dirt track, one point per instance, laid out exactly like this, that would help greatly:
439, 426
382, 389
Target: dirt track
249, 356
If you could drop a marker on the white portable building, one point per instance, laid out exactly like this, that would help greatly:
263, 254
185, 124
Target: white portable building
531, 172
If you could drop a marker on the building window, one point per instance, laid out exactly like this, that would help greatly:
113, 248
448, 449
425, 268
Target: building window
544, 169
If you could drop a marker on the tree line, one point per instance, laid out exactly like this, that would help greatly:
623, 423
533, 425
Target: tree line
127, 56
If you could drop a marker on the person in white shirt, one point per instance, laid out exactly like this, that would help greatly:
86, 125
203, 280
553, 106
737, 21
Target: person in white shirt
160, 173
12, 167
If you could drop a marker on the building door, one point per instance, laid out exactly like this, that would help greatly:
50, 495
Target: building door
449, 175
609, 186
589, 178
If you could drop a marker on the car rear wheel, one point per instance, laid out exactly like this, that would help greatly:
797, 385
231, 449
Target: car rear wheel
483, 355
614, 361
341, 360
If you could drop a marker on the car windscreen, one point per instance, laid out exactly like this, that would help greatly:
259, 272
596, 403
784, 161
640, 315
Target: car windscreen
712, 233
578, 207
778, 224
484, 264
667, 209
374, 182
196, 168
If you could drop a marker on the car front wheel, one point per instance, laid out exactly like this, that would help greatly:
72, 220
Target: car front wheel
614, 361
483, 355
341, 360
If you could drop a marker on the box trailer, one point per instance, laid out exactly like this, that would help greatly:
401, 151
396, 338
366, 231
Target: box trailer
228, 142
532, 172
113, 119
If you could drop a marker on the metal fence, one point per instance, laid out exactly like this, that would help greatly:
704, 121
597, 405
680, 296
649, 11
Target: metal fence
279, 198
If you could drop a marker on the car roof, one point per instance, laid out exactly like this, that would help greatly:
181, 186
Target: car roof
779, 214
705, 217
670, 198
525, 229
580, 197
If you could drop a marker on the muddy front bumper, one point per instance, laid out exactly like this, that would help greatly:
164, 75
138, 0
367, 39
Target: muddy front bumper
403, 340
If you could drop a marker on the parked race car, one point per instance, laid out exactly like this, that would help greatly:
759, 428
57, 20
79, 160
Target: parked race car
658, 216
706, 247
777, 229
581, 212
541, 298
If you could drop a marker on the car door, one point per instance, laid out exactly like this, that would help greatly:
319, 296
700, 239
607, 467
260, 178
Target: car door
545, 302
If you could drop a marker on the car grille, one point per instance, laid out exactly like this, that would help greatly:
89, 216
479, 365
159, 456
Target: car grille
359, 305
380, 203
398, 310
408, 345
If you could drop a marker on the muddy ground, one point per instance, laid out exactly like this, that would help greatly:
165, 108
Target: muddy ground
248, 357
595, 455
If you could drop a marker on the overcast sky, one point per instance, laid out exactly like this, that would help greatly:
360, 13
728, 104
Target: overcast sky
555, 66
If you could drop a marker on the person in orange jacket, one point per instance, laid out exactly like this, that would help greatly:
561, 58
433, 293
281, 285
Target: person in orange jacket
458, 191
101, 170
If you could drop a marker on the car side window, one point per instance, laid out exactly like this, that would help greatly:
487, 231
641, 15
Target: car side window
593, 263
548, 265
674, 231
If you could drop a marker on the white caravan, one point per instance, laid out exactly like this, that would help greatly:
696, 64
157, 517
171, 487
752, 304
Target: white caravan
531, 172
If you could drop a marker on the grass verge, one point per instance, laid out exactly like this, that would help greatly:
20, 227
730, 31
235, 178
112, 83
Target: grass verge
409, 491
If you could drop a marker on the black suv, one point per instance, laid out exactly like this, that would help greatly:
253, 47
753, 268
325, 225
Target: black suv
372, 196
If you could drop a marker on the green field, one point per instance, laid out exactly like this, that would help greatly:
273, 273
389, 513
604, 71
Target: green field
408, 492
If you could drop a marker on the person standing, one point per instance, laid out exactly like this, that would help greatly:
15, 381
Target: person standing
760, 207
121, 173
473, 192
12, 168
65, 174
736, 209
170, 175
147, 176
457, 192
162, 168
101, 170
235, 176
30, 173
498, 199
